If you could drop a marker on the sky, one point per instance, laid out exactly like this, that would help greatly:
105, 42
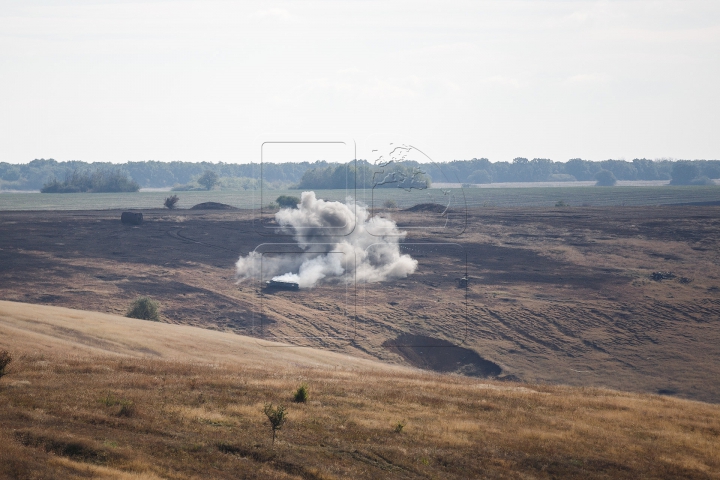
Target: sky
209, 80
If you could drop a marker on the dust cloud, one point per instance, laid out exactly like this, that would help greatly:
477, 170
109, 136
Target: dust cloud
336, 246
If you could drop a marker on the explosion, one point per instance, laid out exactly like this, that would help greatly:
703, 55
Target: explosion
336, 246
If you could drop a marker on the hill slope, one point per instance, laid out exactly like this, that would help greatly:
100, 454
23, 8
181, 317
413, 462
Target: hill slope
100, 396
47, 330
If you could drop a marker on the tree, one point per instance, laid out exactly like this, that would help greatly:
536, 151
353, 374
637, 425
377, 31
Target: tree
605, 178
276, 416
683, 173
581, 169
208, 179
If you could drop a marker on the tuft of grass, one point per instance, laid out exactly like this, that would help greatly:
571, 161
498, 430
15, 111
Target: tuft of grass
145, 308
127, 409
109, 400
5, 359
399, 426
301, 394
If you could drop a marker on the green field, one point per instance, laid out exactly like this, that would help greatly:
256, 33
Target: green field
472, 197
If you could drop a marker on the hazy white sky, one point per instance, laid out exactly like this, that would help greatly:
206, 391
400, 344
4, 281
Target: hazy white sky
100, 80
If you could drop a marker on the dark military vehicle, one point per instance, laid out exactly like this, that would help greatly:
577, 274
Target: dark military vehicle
280, 285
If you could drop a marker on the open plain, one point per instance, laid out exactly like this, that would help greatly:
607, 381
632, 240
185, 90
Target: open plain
92, 395
556, 295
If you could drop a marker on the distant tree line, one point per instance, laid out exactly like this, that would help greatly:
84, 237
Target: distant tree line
153, 174
102, 180
321, 174
541, 170
364, 175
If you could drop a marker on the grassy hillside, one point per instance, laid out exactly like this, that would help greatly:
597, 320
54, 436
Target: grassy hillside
100, 396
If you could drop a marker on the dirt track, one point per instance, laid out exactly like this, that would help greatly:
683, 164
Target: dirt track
556, 295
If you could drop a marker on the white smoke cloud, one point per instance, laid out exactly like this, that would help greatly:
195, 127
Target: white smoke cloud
336, 246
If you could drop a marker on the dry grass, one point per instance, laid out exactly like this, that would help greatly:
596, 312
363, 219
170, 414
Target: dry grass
73, 410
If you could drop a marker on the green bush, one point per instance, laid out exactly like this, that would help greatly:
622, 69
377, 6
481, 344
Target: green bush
5, 359
390, 204
287, 201
302, 394
145, 308
127, 407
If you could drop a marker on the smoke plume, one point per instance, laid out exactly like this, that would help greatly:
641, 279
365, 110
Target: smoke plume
336, 246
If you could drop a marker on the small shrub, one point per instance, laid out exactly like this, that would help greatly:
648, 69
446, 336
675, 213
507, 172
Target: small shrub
5, 359
273, 206
390, 204
287, 201
145, 308
127, 409
276, 416
171, 202
109, 400
399, 426
301, 394
561, 203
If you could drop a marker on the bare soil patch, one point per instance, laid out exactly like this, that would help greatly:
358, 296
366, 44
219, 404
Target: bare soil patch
440, 355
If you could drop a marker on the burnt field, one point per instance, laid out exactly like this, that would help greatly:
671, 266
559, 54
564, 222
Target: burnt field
555, 295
